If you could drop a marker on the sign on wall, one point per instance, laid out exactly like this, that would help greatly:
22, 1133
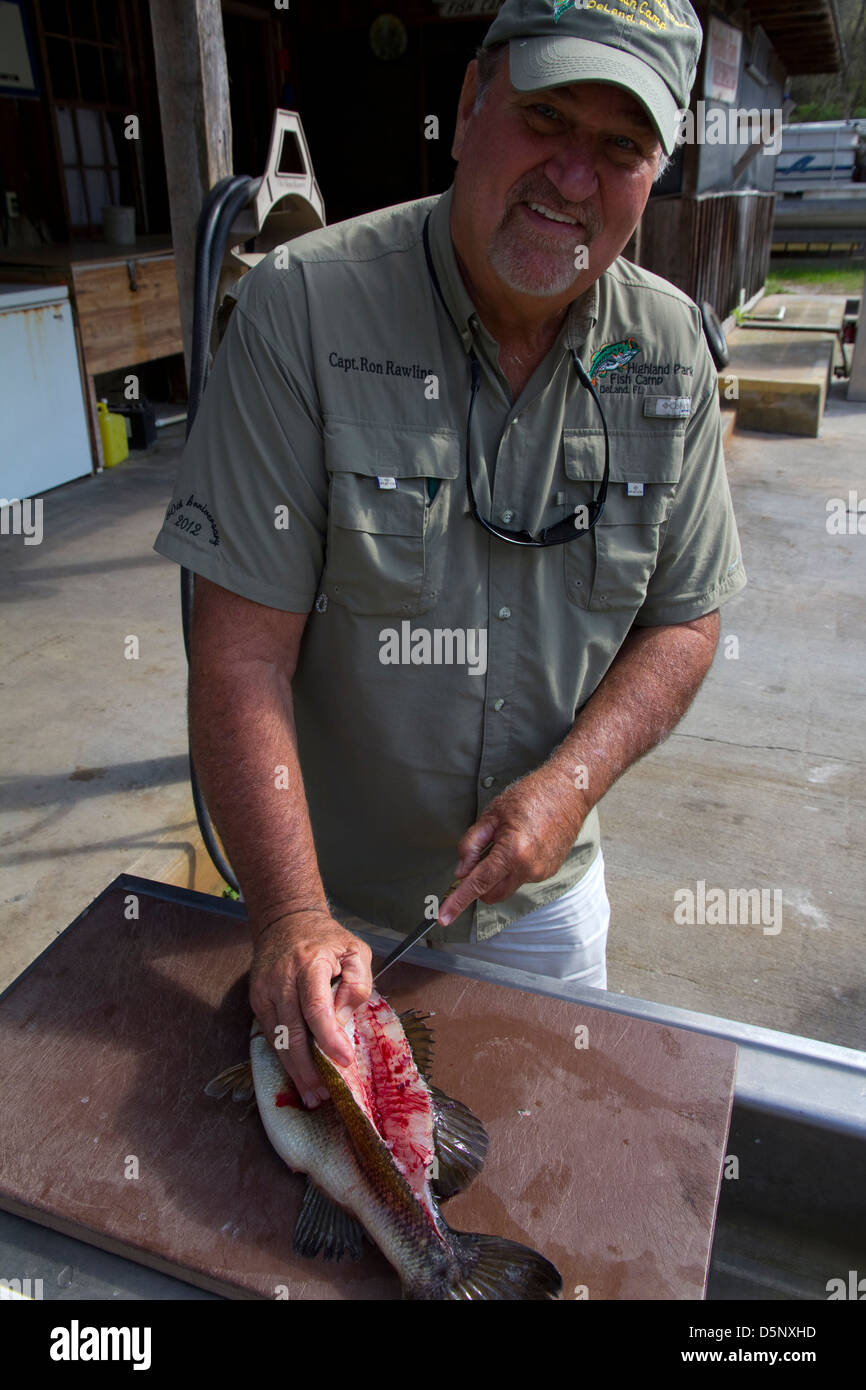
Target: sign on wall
17, 68
724, 46
463, 9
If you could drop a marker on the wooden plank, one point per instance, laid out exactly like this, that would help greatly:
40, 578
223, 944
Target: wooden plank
606, 1158
710, 246
857, 382
121, 326
88, 392
195, 115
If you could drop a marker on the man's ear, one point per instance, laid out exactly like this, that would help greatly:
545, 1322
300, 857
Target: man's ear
468, 93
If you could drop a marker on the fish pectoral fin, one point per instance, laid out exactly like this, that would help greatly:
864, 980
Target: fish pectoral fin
237, 1079
325, 1227
460, 1142
419, 1038
495, 1268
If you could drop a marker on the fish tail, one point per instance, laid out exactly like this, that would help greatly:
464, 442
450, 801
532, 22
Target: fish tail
495, 1268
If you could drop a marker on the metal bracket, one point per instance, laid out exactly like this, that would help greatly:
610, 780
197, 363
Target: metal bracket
303, 208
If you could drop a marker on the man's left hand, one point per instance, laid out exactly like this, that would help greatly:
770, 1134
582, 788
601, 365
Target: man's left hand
531, 826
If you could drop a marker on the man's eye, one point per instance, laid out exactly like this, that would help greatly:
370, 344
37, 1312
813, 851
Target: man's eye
548, 113
623, 142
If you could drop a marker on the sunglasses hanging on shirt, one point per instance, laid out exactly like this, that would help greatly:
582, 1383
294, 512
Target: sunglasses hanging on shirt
562, 531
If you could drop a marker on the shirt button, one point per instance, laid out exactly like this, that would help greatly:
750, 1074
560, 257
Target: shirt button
514, 421
499, 704
487, 781
508, 515
504, 613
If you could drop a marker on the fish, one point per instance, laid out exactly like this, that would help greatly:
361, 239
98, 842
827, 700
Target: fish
614, 355
381, 1156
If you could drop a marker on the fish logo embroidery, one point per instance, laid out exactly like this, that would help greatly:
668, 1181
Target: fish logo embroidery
613, 355
560, 7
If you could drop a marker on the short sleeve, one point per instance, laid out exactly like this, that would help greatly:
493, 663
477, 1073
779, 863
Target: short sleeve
249, 509
699, 564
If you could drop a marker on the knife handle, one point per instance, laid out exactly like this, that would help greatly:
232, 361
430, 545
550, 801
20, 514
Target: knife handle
456, 884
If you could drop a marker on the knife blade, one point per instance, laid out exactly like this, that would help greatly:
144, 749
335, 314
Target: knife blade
413, 937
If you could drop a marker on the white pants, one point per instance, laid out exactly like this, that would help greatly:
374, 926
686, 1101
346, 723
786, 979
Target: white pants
565, 939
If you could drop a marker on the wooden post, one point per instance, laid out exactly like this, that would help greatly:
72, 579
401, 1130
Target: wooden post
857, 382
192, 79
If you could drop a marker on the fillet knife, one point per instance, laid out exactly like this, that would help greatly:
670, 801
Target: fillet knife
421, 931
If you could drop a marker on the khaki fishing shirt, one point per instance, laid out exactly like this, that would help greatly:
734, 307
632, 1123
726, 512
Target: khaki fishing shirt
325, 474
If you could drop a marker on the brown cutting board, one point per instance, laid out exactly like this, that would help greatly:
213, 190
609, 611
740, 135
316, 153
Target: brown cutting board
606, 1158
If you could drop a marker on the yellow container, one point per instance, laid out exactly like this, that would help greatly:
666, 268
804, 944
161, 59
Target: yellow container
115, 445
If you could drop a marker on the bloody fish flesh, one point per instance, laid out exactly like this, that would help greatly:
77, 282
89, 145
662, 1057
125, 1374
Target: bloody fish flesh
382, 1157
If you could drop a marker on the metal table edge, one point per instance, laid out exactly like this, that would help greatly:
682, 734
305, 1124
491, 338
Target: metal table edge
784, 1074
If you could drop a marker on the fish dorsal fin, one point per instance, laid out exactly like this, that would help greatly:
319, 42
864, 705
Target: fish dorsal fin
459, 1138
461, 1143
420, 1040
324, 1227
237, 1079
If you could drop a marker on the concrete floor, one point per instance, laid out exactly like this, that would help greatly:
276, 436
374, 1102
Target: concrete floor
760, 786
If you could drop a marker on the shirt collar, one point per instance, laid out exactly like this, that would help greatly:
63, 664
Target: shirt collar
582, 312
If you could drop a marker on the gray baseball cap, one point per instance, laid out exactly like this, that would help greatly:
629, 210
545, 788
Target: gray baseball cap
650, 48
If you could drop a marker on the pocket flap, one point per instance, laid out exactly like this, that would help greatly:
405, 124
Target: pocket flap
636, 456
391, 451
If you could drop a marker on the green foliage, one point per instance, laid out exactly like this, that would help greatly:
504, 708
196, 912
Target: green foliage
837, 96
815, 277
824, 111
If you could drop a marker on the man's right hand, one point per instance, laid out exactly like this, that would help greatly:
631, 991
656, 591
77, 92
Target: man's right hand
294, 961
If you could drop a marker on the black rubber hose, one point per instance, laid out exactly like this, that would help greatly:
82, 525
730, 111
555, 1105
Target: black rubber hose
209, 251
219, 211
235, 200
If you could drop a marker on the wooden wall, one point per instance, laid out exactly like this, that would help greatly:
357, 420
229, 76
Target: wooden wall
711, 246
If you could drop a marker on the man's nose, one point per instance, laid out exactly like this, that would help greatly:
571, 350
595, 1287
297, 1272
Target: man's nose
572, 171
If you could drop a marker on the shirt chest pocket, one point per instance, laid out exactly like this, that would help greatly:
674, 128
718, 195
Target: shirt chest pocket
609, 569
386, 544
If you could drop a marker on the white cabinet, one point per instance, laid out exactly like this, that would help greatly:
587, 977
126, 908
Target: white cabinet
43, 426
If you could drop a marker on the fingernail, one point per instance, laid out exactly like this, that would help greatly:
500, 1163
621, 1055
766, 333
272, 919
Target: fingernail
445, 918
311, 1100
323, 1093
344, 1014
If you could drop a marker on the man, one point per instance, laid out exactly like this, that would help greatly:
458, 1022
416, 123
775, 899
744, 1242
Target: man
397, 401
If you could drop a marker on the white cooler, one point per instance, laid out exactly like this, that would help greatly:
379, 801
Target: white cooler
43, 426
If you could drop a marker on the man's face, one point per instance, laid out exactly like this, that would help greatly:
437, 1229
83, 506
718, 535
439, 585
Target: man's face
586, 153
